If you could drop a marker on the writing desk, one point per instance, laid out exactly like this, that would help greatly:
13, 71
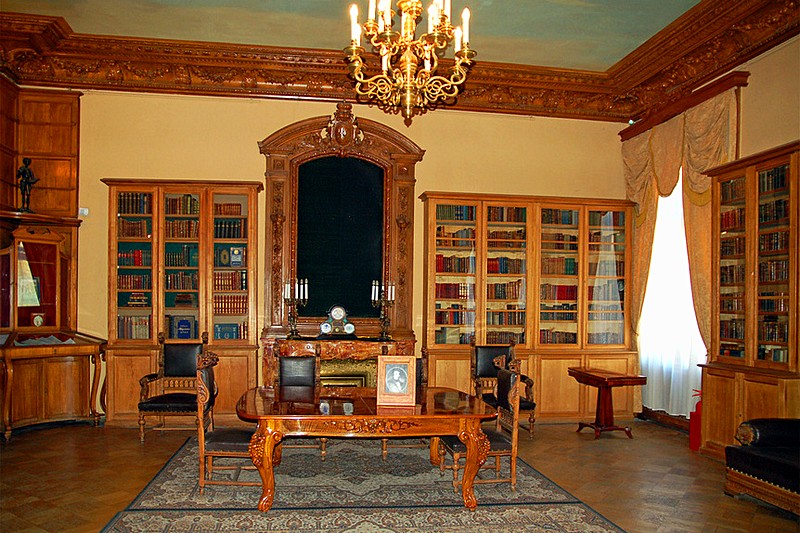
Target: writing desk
604, 380
282, 413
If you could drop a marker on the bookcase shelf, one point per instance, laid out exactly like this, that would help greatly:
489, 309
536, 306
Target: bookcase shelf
753, 365
181, 269
494, 258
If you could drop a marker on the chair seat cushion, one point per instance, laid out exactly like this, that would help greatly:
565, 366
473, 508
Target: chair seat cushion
183, 402
228, 440
489, 399
526, 405
497, 440
777, 465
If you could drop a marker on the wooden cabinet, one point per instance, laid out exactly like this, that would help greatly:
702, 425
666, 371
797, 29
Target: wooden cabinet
182, 260
547, 274
51, 372
753, 365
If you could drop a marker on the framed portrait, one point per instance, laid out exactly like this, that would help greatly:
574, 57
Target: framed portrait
397, 380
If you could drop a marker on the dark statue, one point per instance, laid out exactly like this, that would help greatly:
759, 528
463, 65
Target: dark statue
26, 181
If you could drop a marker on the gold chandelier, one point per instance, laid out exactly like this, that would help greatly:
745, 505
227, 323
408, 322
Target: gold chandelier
408, 82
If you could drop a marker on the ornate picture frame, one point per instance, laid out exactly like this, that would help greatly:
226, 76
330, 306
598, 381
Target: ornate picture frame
397, 380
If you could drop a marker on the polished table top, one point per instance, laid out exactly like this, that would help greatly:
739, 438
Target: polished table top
304, 402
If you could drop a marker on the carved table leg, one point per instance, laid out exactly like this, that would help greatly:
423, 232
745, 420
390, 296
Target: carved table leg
434, 451
477, 449
265, 451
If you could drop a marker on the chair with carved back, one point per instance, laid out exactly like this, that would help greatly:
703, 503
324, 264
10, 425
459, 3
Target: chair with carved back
503, 437
299, 382
485, 362
172, 390
218, 443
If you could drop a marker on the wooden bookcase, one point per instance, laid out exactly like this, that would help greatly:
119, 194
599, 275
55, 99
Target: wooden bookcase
182, 260
753, 365
548, 274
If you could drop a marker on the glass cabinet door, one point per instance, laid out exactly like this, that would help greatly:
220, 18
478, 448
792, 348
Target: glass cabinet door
732, 267
455, 273
134, 284
505, 274
230, 306
181, 248
772, 344
606, 278
558, 279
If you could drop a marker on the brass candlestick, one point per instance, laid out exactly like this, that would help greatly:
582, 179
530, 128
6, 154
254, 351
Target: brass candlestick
295, 294
383, 298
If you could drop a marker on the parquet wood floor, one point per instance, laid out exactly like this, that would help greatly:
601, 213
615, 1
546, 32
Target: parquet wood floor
74, 478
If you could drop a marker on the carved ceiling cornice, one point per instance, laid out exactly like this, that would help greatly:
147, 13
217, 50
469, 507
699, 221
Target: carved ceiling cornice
709, 40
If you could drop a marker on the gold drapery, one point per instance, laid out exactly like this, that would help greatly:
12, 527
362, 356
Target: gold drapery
698, 139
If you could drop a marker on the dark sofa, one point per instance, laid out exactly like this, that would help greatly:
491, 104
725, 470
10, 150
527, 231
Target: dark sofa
767, 464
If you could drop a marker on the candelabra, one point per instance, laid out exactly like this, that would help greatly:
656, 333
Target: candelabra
408, 79
295, 294
383, 298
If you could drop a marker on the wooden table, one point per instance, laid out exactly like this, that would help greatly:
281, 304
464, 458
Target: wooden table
604, 380
438, 412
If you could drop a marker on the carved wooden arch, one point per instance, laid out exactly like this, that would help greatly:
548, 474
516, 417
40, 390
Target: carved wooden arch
345, 136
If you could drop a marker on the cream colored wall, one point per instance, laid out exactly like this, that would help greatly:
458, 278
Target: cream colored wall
173, 137
771, 101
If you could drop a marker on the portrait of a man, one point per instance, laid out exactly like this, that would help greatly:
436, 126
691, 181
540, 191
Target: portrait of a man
396, 379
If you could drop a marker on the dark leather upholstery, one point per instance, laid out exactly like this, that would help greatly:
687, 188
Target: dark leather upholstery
484, 360
298, 371
180, 360
228, 440
771, 452
183, 402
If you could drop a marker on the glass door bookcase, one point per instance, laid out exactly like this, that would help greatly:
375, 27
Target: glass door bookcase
559, 268
605, 276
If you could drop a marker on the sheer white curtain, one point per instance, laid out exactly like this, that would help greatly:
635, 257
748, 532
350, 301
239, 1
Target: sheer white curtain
670, 345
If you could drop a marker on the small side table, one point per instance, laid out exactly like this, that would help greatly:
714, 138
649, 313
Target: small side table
604, 380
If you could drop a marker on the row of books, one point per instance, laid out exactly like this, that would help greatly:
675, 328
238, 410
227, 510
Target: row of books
732, 247
462, 238
184, 204
606, 218
230, 280
732, 328
452, 336
552, 336
453, 316
455, 264
133, 327
732, 190
135, 203
186, 255
558, 236
732, 302
731, 274
455, 212
513, 290
607, 236
606, 315
506, 318
771, 302
230, 228
776, 355
613, 289
505, 337
506, 214
231, 331
776, 241
568, 217
733, 219
505, 265
139, 227
230, 209
133, 281
773, 270
558, 316
605, 337
230, 304
772, 179
181, 281
139, 257
183, 228
230, 256
773, 332
507, 239
559, 265
775, 211
607, 268
460, 291
550, 291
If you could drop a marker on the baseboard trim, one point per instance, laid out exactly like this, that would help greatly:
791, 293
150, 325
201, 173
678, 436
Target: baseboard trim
681, 423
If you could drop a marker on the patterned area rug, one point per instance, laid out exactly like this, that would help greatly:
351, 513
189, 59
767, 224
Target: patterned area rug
352, 490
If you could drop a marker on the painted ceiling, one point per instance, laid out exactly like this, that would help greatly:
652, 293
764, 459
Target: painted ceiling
575, 34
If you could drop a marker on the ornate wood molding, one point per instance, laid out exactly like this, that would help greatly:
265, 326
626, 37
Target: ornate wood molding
710, 39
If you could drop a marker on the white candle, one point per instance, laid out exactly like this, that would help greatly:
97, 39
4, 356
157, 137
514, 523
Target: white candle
458, 39
372, 9
447, 9
391, 292
384, 63
305, 289
387, 15
354, 22
374, 290
296, 288
465, 24
431, 18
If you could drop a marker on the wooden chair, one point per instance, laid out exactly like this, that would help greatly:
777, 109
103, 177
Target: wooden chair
231, 443
503, 437
298, 380
486, 360
172, 390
